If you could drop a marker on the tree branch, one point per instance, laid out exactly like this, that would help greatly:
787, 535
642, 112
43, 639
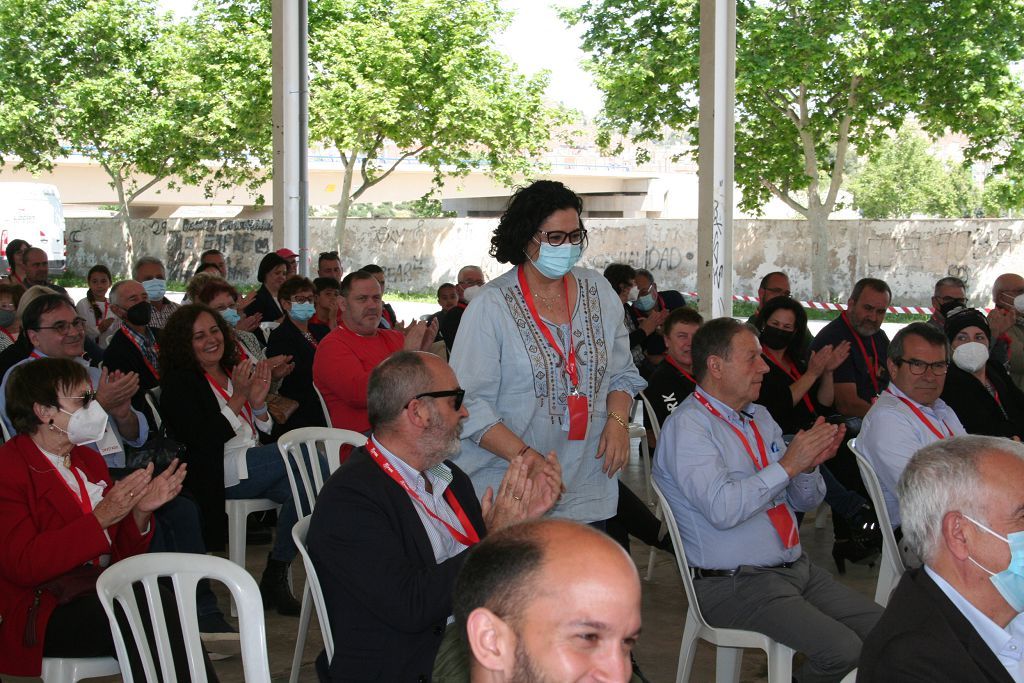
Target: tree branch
134, 195
807, 142
789, 201
370, 182
842, 145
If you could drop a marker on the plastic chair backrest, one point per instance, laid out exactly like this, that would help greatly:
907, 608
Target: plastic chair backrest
874, 487
299, 448
185, 570
153, 401
299, 532
323, 407
677, 545
652, 417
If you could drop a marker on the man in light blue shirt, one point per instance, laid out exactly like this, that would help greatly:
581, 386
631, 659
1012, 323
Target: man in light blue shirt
962, 501
733, 485
909, 414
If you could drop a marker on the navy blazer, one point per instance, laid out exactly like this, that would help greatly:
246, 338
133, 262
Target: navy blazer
922, 636
387, 597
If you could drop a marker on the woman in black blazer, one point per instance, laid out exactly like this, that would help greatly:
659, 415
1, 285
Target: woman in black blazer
272, 273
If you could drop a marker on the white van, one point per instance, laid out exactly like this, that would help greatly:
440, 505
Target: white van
33, 212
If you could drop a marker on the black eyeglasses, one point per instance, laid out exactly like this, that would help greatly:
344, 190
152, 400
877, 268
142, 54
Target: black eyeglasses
917, 367
459, 395
63, 327
84, 398
557, 238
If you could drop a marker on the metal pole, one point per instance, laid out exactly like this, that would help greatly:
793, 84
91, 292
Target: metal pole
287, 153
305, 254
715, 152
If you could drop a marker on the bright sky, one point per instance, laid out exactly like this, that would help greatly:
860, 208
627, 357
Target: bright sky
536, 39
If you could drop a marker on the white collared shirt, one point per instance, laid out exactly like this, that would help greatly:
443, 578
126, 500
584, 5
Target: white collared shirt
1006, 643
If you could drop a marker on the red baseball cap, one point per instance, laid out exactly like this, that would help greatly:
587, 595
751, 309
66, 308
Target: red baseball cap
286, 253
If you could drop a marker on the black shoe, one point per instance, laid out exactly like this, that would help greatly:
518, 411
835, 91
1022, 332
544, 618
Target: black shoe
863, 526
843, 550
275, 591
213, 628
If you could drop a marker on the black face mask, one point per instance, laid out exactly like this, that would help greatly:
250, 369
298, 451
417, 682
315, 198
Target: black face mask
774, 338
139, 314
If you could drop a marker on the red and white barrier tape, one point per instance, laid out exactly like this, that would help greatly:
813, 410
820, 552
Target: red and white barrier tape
828, 306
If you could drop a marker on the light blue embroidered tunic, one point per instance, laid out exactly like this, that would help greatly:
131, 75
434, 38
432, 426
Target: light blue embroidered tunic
513, 376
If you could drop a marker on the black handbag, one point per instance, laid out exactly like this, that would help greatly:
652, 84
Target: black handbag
159, 449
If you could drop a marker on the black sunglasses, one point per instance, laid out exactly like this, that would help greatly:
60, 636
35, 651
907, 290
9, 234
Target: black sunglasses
459, 395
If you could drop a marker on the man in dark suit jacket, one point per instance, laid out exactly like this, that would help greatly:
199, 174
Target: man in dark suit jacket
392, 527
133, 348
947, 621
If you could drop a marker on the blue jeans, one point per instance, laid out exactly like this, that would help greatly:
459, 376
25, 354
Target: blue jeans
268, 479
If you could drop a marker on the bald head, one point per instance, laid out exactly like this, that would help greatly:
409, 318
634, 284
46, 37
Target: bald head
528, 592
1006, 288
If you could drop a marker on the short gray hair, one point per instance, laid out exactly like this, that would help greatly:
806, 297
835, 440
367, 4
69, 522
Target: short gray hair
925, 331
950, 281
148, 261
114, 295
393, 384
942, 477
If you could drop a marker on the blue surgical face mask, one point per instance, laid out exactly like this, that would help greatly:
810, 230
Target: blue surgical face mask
302, 311
554, 262
155, 288
230, 316
645, 302
1010, 581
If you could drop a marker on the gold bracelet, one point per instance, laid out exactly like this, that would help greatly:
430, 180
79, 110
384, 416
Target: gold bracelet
618, 418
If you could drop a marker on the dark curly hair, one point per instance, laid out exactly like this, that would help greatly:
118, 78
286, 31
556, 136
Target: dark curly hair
785, 303
527, 209
176, 354
620, 276
267, 264
40, 382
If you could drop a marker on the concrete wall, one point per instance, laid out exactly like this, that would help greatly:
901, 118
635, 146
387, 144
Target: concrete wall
418, 254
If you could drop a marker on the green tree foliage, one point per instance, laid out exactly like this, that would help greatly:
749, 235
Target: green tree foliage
118, 82
903, 178
424, 75
813, 77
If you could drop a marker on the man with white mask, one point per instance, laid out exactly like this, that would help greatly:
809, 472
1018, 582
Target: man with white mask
978, 387
909, 414
470, 281
958, 617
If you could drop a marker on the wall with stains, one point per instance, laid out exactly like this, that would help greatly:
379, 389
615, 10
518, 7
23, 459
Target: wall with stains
419, 254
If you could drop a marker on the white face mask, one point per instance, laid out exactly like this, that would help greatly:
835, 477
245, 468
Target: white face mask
970, 357
86, 425
470, 292
634, 293
1018, 303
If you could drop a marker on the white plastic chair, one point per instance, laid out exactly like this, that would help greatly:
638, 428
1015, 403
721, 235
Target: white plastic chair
5, 430
891, 567
730, 642
153, 401
652, 418
299, 532
116, 585
638, 431
323, 406
306, 477
238, 520
72, 669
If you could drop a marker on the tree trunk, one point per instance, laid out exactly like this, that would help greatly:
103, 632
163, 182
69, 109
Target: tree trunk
346, 200
125, 221
817, 223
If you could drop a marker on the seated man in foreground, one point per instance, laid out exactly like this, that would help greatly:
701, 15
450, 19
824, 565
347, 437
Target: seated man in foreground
733, 486
393, 525
528, 613
958, 617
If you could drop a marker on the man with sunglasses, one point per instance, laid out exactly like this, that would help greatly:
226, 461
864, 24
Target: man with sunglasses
393, 526
909, 414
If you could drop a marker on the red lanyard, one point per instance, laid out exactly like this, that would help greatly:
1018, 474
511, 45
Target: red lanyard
795, 375
743, 437
246, 409
679, 367
6, 333
469, 538
570, 364
241, 349
156, 348
872, 367
925, 420
36, 355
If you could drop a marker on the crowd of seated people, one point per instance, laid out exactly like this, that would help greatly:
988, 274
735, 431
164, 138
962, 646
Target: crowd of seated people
511, 402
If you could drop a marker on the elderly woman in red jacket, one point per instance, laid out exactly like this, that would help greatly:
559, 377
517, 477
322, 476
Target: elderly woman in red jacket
62, 519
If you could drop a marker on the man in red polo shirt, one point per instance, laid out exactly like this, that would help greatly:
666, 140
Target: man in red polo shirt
346, 357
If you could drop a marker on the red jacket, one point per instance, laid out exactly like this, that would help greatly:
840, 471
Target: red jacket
341, 371
45, 534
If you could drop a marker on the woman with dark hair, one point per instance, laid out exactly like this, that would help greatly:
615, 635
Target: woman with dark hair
10, 324
271, 274
215, 403
544, 358
63, 520
622, 278
95, 309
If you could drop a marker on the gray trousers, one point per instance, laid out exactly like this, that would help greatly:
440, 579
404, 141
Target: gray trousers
801, 607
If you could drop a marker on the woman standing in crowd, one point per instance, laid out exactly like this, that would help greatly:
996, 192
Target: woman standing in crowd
215, 403
978, 389
10, 323
63, 520
271, 274
544, 358
95, 309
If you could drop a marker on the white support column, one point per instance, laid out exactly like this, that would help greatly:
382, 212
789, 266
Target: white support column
715, 152
289, 84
